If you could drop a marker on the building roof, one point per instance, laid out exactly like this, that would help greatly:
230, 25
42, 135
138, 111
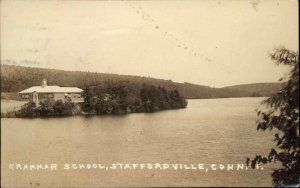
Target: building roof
52, 89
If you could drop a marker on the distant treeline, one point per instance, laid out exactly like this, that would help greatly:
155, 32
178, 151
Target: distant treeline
18, 78
114, 99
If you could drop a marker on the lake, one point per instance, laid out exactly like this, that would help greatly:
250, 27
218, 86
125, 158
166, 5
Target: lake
208, 131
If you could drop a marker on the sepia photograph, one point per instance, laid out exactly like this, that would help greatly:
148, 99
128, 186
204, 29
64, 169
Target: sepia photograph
149, 93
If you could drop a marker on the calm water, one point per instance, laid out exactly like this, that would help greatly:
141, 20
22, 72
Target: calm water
218, 131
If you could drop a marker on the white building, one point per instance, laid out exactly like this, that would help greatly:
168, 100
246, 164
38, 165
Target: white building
54, 93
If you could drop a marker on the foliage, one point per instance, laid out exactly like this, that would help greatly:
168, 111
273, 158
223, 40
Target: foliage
88, 100
118, 99
283, 115
62, 108
45, 108
27, 110
154, 99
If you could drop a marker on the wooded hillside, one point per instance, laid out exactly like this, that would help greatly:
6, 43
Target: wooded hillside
17, 78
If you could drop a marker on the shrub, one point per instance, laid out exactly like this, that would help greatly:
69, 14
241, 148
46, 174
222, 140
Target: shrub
27, 110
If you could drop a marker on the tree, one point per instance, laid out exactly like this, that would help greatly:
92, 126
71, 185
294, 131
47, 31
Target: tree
27, 110
88, 100
59, 107
282, 114
45, 108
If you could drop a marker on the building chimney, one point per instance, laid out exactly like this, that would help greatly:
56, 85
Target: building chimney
44, 82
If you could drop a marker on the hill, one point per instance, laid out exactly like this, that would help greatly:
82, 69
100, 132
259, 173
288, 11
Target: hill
17, 78
257, 89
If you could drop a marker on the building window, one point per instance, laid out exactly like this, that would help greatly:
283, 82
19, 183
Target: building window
25, 96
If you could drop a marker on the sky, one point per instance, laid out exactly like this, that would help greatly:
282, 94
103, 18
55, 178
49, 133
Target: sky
209, 42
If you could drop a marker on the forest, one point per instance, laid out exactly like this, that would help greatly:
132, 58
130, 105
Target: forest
17, 78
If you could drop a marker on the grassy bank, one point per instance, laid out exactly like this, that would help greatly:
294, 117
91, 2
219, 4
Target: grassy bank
10, 96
